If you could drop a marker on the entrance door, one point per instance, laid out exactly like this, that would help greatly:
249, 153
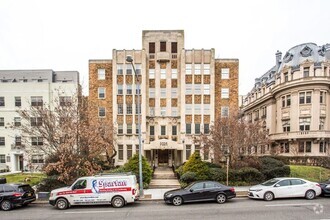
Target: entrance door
20, 159
162, 157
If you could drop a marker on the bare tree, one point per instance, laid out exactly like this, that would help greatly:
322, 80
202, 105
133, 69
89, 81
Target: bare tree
63, 131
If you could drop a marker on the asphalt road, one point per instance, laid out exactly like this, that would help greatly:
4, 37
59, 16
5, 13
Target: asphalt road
240, 208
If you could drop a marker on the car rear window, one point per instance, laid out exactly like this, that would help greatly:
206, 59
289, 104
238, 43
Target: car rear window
8, 188
25, 188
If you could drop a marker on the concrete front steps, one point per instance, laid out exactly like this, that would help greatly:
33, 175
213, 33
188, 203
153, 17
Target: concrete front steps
164, 177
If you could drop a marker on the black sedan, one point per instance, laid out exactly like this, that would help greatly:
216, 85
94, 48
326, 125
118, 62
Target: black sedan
200, 191
325, 188
12, 195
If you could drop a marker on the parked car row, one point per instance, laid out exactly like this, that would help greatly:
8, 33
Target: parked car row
120, 189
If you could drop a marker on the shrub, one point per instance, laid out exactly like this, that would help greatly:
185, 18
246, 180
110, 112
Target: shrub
188, 177
132, 165
277, 172
179, 172
50, 183
250, 175
196, 165
212, 165
217, 174
269, 163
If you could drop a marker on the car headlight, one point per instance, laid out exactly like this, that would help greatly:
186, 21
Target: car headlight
258, 190
168, 195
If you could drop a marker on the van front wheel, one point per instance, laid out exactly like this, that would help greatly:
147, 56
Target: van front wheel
61, 204
117, 202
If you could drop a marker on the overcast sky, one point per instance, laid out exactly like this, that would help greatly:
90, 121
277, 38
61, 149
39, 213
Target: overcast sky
65, 34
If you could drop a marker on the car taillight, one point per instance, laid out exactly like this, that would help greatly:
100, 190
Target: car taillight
17, 194
133, 191
232, 189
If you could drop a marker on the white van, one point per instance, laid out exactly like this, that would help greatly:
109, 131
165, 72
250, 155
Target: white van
114, 189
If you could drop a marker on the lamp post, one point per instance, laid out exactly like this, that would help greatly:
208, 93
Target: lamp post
129, 59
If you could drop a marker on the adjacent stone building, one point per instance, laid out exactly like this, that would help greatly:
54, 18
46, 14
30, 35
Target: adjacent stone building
19, 89
182, 92
292, 101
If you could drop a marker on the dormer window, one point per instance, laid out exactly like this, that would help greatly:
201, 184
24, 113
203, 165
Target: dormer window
306, 51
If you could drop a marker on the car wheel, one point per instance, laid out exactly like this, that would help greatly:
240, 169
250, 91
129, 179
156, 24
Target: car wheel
6, 205
310, 194
118, 202
221, 198
177, 200
269, 196
62, 204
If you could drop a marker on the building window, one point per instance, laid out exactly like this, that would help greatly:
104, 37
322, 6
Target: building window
36, 121
286, 101
162, 46
206, 69
138, 69
188, 128
206, 128
129, 129
137, 90
129, 151
198, 89
163, 73
152, 47
18, 141
305, 97
17, 121
101, 74
174, 73
120, 70
321, 125
306, 72
174, 130
119, 89
37, 158
151, 73
264, 112
322, 97
197, 69
37, 141
224, 73
174, 47
2, 122
197, 128
323, 147
101, 112
152, 111
2, 141
152, 130
206, 154
129, 109
129, 70
137, 109
65, 100
120, 109
206, 89
188, 108
2, 101
162, 130
225, 93
129, 90
188, 151
2, 158
225, 111
174, 92
136, 128
174, 111
151, 92
198, 108
163, 93
120, 128
286, 126
197, 149
36, 101
120, 152
188, 89
304, 124
101, 92
188, 69
18, 102
286, 77
207, 109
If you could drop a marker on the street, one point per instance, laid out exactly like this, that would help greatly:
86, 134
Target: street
239, 208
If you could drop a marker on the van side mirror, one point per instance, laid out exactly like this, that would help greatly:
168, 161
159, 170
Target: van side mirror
191, 190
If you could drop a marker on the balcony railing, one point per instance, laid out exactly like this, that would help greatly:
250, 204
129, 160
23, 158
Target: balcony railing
300, 134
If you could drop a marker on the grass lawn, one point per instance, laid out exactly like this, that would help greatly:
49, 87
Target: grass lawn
316, 174
35, 178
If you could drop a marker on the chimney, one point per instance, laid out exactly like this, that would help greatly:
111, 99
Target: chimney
278, 59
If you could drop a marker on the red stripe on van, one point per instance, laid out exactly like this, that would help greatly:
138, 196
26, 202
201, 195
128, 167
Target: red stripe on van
85, 191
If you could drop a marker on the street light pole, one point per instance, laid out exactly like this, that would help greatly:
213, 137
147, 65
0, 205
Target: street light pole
130, 60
